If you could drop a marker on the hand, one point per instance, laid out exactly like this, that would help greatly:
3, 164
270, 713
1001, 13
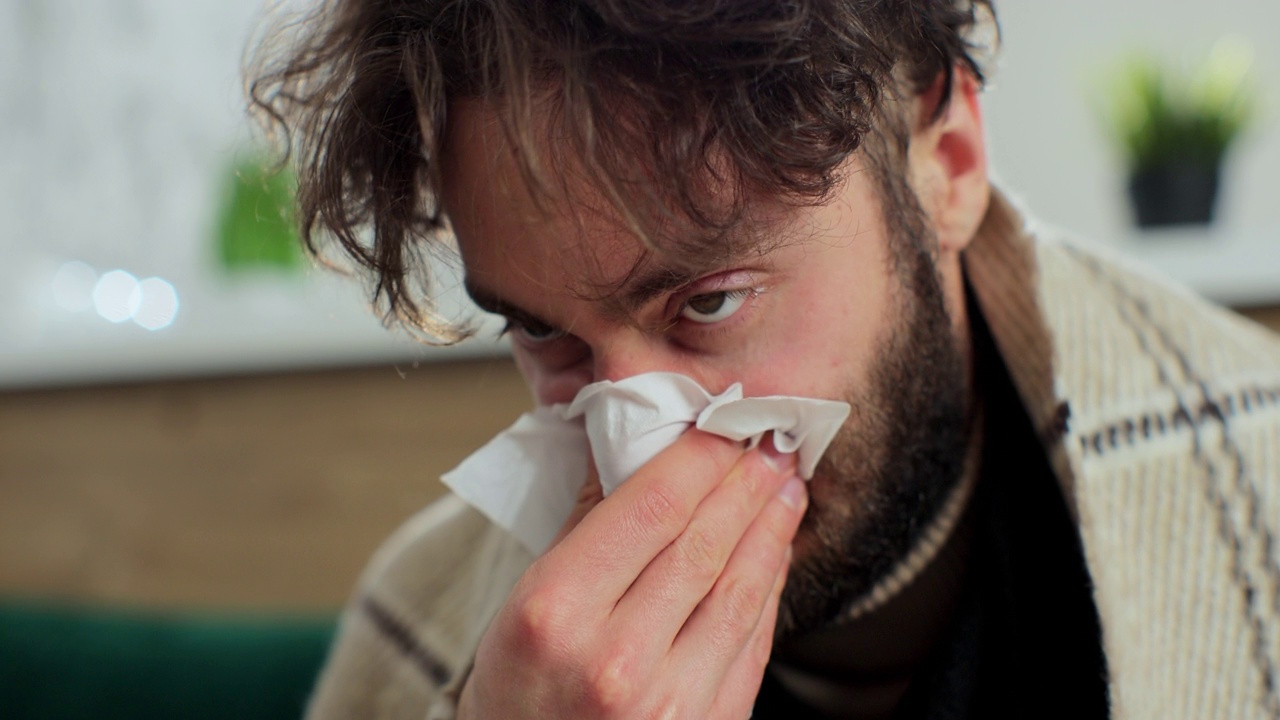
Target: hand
657, 602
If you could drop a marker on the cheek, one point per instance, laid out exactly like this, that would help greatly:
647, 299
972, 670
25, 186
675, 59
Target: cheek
823, 341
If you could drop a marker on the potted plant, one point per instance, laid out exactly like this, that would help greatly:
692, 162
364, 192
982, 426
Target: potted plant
1175, 129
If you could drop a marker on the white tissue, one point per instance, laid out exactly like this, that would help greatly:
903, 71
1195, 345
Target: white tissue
527, 479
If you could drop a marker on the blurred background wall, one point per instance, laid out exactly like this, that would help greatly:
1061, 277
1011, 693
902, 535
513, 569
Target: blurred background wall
250, 451
127, 475
1047, 139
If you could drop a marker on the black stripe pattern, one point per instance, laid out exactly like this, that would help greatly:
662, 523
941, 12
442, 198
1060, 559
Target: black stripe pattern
399, 635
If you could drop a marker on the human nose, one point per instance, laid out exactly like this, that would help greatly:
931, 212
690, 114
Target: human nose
632, 355
612, 358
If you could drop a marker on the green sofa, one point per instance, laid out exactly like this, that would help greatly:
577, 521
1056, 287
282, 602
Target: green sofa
59, 662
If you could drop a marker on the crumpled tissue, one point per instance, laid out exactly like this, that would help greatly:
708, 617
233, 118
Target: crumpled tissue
527, 478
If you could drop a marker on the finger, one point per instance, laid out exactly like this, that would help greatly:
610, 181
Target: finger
731, 696
590, 495
679, 578
725, 621
736, 696
621, 535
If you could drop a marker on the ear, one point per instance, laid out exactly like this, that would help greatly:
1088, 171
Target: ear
948, 161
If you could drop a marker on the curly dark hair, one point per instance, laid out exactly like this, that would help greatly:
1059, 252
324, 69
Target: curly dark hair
745, 96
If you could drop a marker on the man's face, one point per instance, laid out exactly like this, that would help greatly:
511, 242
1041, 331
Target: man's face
831, 307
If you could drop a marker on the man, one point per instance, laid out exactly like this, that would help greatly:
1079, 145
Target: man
1056, 495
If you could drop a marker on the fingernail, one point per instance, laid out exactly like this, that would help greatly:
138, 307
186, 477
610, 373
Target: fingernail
793, 493
779, 462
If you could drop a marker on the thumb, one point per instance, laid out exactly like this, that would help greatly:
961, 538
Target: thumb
588, 497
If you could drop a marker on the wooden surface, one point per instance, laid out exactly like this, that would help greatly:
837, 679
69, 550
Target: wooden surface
1269, 316
266, 493
261, 493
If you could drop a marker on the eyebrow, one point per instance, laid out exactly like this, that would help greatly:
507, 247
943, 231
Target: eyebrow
640, 287
637, 291
643, 287
492, 302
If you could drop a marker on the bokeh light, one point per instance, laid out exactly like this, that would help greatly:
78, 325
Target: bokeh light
117, 296
73, 286
158, 306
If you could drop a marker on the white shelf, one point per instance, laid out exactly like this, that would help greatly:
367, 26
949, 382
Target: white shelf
257, 324
1237, 269
239, 325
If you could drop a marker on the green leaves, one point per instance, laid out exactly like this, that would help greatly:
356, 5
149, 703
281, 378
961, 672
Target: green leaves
256, 224
1161, 117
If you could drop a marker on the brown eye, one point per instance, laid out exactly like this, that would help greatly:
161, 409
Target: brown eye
707, 304
713, 307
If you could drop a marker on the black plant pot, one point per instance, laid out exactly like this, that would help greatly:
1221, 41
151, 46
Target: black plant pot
1177, 194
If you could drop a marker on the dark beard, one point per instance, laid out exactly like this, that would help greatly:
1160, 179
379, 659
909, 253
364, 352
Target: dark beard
893, 464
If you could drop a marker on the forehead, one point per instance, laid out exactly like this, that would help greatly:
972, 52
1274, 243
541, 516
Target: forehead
567, 232
497, 216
